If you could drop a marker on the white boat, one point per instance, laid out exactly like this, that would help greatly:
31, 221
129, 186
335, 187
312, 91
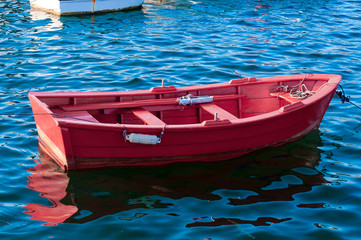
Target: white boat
72, 7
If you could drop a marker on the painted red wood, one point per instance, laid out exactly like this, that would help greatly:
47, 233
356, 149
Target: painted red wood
75, 114
285, 96
136, 103
147, 117
249, 118
221, 113
130, 104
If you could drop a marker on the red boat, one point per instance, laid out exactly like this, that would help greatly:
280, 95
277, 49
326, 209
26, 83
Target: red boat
163, 125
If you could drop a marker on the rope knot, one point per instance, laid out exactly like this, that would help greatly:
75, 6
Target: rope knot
342, 96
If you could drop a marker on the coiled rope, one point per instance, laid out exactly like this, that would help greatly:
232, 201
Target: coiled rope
299, 91
302, 92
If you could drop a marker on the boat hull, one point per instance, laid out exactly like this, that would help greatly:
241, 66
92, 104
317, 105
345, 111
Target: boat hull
80, 145
107, 162
74, 7
106, 156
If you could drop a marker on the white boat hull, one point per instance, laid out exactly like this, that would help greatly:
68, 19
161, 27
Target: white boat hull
70, 7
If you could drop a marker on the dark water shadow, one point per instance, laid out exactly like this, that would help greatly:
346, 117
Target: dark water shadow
83, 196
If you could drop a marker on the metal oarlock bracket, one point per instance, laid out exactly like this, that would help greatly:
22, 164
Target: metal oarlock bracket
190, 100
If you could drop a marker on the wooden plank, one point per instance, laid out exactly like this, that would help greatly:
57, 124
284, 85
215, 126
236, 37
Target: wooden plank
81, 115
139, 103
221, 113
130, 104
291, 107
285, 96
147, 117
318, 85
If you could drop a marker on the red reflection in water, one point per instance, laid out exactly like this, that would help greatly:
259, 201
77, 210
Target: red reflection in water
51, 184
262, 5
259, 20
100, 192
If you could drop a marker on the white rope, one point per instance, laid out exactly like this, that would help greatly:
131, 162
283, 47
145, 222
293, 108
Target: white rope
296, 91
301, 93
279, 88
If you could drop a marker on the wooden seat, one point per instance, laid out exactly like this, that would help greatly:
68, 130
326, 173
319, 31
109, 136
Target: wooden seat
77, 115
147, 116
221, 113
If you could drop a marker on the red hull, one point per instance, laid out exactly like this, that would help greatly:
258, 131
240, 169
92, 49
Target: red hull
249, 117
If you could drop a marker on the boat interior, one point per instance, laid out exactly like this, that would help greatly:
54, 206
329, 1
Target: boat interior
237, 99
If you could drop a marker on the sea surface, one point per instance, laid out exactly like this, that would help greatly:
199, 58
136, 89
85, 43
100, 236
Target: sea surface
310, 189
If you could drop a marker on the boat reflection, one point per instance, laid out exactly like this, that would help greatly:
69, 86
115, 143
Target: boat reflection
53, 25
83, 196
49, 180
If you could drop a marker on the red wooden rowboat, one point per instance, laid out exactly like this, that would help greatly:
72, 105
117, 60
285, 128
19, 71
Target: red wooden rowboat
166, 124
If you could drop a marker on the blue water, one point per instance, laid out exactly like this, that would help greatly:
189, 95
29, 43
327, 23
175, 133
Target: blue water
310, 189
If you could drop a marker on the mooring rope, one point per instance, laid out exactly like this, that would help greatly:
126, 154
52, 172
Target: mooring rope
53, 114
341, 94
